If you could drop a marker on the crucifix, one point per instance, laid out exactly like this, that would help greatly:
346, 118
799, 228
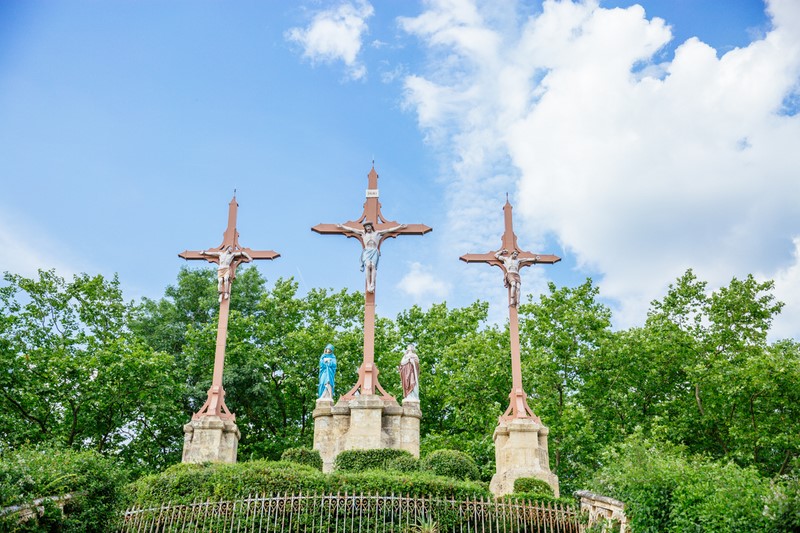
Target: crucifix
509, 258
228, 256
371, 228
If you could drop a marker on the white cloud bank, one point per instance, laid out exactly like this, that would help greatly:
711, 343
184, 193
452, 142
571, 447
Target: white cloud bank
639, 169
336, 34
26, 251
423, 285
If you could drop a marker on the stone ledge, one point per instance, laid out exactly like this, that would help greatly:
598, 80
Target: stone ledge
599, 498
210, 439
365, 422
521, 451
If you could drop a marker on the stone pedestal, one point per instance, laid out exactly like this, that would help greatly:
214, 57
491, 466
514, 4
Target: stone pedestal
210, 439
363, 423
520, 447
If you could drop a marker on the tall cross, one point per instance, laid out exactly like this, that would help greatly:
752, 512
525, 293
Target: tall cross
228, 256
510, 259
383, 229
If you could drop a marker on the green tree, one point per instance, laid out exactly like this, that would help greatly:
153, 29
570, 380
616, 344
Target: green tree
733, 396
561, 336
275, 338
665, 489
75, 376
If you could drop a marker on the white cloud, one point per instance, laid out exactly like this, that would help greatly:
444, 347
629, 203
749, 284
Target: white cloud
787, 286
27, 251
336, 34
423, 285
640, 170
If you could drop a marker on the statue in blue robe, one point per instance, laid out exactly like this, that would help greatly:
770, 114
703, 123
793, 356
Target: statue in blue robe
327, 373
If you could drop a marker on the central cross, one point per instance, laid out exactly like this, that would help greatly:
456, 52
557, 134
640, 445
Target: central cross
228, 256
371, 228
510, 259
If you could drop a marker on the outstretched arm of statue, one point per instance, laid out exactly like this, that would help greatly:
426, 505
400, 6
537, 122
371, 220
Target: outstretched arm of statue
245, 254
389, 230
348, 228
212, 254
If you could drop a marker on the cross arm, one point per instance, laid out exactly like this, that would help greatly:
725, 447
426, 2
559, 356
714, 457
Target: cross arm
481, 258
261, 254
331, 229
190, 255
255, 254
525, 258
529, 258
410, 229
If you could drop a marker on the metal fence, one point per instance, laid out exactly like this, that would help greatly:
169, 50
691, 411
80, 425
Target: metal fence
348, 513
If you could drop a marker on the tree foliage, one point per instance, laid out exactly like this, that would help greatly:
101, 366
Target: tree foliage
76, 376
665, 489
274, 342
86, 370
35, 475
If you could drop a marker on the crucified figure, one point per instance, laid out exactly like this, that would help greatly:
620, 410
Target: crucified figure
512, 279
226, 257
370, 255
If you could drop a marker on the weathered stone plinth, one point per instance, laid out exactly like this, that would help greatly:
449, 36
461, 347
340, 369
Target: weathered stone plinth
210, 439
363, 423
520, 448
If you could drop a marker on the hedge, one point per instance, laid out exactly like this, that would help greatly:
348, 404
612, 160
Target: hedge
533, 485
185, 483
665, 489
375, 459
94, 482
303, 456
451, 463
404, 463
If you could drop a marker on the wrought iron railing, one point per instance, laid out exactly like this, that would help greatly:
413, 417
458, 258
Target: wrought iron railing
346, 513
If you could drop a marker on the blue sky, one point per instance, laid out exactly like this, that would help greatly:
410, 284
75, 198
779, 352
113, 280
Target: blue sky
635, 140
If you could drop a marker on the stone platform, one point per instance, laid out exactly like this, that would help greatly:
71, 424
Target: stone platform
363, 423
210, 438
521, 451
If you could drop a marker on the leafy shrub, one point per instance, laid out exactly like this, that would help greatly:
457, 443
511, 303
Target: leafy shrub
360, 460
403, 463
303, 456
93, 481
532, 485
480, 449
783, 506
451, 463
666, 490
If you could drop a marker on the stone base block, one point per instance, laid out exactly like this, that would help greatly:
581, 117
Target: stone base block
210, 439
521, 451
363, 423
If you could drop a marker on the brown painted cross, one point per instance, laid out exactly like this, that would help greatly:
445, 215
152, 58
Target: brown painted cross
510, 259
228, 256
371, 243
